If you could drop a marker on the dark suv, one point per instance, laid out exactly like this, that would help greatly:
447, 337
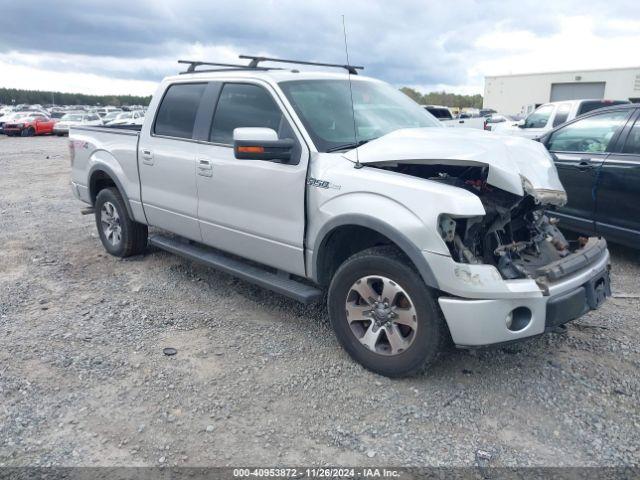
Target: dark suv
598, 160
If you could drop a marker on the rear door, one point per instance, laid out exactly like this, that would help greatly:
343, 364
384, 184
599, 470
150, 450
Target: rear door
253, 208
618, 203
167, 161
579, 149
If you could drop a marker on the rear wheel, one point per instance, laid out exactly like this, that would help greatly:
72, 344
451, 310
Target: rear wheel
384, 315
120, 235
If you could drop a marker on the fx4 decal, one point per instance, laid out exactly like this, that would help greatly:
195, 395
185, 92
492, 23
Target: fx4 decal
314, 182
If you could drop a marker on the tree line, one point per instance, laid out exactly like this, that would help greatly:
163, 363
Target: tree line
444, 98
14, 96
10, 96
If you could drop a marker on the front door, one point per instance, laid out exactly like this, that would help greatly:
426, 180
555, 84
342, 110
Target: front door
253, 208
167, 162
537, 123
618, 204
579, 150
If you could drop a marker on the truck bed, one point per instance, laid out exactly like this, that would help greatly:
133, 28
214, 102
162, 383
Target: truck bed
111, 150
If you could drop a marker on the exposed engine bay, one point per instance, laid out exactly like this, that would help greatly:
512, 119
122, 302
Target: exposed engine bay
515, 235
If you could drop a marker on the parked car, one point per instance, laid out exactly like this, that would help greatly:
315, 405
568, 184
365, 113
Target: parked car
419, 233
29, 124
598, 159
443, 114
74, 119
127, 118
487, 112
104, 111
491, 121
7, 117
111, 116
550, 115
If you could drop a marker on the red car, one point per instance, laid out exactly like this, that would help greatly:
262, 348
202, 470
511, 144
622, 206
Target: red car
29, 124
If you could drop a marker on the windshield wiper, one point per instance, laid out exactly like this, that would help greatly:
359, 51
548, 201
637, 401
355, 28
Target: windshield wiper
347, 146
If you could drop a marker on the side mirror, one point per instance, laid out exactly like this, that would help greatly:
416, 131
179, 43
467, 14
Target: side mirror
252, 143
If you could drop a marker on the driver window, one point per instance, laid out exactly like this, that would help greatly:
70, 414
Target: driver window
539, 118
246, 105
591, 134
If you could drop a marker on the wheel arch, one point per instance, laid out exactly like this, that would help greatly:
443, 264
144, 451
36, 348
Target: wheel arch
100, 177
363, 232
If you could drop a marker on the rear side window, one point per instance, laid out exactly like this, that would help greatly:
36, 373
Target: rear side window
632, 145
177, 112
562, 114
440, 113
244, 105
595, 104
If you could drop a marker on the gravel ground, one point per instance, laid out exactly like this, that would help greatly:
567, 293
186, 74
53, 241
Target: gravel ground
259, 379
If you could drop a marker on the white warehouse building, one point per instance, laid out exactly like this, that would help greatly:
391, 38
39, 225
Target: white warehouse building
521, 94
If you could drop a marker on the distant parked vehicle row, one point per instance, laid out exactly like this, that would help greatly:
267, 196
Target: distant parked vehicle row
550, 115
446, 118
75, 119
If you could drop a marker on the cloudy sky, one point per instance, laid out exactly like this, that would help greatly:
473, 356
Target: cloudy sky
123, 47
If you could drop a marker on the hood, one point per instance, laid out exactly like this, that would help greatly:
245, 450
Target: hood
515, 164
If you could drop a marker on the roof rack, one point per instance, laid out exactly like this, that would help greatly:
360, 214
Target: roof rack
193, 64
352, 69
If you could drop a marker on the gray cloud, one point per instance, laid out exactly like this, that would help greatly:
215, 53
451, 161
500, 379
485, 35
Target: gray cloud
413, 42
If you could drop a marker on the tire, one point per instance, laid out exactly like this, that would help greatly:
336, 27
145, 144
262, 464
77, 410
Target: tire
28, 132
425, 338
120, 235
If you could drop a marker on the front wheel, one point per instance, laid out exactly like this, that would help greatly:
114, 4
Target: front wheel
384, 315
120, 235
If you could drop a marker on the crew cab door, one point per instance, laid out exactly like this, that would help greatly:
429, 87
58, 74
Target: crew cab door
579, 150
167, 154
618, 203
252, 208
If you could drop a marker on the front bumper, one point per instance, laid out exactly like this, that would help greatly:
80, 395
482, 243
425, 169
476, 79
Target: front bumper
60, 129
475, 322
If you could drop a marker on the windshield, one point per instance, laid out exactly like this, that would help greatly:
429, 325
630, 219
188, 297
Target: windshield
124, 116
72, 117
324, 106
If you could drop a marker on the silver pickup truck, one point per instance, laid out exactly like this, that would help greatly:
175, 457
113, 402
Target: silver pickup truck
305, 182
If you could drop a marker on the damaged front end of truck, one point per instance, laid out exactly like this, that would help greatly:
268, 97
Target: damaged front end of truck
517, 183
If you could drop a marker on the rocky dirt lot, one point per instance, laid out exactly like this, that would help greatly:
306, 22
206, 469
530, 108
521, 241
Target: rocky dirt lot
259, 379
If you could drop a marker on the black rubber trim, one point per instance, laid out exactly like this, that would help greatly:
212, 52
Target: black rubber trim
413, 252
594, 249
101, 167
566, 307
212, 258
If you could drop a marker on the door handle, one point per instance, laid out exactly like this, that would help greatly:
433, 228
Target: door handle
205, 168
147, 156
585, 165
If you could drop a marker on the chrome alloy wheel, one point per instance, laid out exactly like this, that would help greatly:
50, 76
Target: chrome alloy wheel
110, 221
381, 315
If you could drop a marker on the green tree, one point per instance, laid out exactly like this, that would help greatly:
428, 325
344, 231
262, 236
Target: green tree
16, 96
444, 98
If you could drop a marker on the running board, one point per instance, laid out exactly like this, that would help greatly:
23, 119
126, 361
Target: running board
281, 284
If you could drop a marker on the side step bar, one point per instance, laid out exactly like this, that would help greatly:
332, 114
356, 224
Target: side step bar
281, 284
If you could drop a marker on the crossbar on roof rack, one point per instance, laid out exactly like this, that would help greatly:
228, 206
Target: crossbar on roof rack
352, 69
193, 64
